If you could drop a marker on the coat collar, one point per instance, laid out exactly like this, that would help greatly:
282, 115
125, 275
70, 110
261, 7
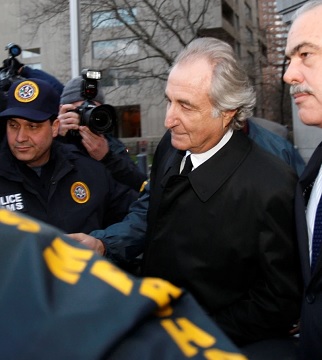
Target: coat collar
219, 168
303, 192
310, 173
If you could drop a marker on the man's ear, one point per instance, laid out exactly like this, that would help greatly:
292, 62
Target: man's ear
227, 117
55, 127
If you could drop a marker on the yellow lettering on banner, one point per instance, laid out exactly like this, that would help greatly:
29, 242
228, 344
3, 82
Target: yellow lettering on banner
143, 186
164, 311
65, 261
216, 354
113, 276
23, 224
184, 332
160, 291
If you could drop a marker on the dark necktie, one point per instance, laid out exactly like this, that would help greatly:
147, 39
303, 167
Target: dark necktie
187, 166
317, 234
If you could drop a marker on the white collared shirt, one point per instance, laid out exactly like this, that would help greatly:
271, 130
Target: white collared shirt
198, 159
312, 206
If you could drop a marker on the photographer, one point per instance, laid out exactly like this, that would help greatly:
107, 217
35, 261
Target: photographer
12, 70
102, 147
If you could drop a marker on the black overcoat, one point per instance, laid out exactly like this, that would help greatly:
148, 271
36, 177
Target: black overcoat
226, 233
311, 316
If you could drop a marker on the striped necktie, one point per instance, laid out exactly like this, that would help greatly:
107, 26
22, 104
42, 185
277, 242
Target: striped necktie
317, 235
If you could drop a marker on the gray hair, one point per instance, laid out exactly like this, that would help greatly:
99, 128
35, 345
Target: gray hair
230, 88
309, 5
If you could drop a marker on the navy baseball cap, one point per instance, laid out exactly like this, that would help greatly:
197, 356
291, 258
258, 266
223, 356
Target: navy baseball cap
31, 99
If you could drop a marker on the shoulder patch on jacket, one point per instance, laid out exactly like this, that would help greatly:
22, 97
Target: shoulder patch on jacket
80, 192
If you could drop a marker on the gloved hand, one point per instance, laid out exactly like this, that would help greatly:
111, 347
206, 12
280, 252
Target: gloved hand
14, 64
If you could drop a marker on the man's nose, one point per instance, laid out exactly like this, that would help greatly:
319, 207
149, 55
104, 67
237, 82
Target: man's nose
293, 74
21, 135
170, 117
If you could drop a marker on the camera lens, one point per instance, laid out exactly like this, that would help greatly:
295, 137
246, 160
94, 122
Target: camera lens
15, 51
101, 119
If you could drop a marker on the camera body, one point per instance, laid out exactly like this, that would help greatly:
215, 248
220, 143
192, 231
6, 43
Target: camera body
100, 119
8, 72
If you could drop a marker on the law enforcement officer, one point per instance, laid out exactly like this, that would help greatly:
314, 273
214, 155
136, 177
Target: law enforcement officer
51, 181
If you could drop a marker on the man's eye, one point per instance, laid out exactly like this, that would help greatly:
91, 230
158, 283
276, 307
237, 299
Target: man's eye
304, 54
186, 106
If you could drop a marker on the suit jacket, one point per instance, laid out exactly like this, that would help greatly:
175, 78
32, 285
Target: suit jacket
311, 316
226, 233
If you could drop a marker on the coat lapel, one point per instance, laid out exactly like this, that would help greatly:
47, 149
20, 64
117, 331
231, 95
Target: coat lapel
220, 166
303, 192
172, 166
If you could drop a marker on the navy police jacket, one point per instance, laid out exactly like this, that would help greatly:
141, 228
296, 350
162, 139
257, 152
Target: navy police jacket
117, 160
74, 192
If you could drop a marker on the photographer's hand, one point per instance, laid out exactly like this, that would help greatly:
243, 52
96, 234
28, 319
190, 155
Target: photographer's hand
96, 145
68, 120
14, 64
89, 241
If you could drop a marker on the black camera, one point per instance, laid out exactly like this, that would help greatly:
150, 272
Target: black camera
14, 50
9, 71
100, 119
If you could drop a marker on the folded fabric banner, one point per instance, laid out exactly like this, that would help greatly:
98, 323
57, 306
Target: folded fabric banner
60, 300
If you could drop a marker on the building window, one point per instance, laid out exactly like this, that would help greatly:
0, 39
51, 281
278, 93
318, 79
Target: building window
30, 53
129, 121
249, 35
105, 49
237, 25
109, 19
248, 12
228, 13
119, 77
250, 58
263, 49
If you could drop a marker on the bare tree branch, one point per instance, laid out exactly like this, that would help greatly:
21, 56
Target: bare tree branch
158, 29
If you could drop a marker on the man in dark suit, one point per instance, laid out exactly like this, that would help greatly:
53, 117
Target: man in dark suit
225, 231
304, 74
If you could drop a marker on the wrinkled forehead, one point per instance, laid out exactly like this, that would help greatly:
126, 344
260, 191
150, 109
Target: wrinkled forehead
26, 122
307, 28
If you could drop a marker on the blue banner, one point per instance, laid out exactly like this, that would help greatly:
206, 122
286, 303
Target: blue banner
60, 300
